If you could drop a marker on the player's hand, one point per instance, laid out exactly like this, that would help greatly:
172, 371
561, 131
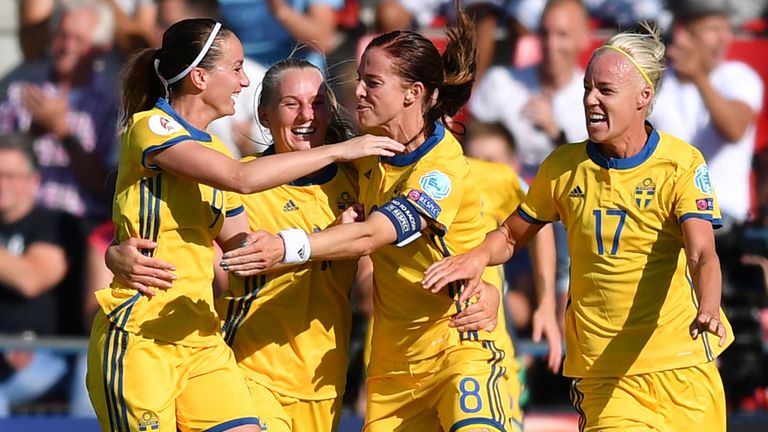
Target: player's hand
368, 145
468, 267
353, 213
709, 322
136, 270
545, 323
261, 251
482, 315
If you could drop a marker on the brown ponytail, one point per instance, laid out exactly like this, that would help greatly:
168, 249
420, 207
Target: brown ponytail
182, 42
140, 85
416, 59
459, 64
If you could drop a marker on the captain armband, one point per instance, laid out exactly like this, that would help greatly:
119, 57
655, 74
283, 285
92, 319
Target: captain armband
405, 218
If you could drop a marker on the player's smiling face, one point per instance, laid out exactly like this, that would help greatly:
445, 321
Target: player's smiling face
298, 114
228, 76
614, 96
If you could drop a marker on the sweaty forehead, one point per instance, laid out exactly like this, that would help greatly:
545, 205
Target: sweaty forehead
607, 65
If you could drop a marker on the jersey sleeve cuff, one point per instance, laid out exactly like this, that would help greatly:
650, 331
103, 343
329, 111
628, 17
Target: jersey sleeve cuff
162, 146
235, 211
530, 219
716, 222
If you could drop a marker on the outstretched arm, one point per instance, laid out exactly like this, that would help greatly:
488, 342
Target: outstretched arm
496, 249
191, 160
351, 240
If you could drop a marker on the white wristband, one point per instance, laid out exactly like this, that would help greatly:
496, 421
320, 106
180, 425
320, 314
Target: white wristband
297, 248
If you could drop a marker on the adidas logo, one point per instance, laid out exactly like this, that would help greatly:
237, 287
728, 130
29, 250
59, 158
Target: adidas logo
368, 173
576, 193
290, 206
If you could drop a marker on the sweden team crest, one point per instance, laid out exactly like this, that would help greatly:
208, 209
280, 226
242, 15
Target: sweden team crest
644, 193
148, 422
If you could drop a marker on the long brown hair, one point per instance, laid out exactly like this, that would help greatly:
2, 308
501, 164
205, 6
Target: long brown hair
182, 42
416, 59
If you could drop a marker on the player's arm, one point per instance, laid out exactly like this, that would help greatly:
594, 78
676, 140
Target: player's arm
544, 260
496, 249
704, 266
144, 274
346, 241
191, 160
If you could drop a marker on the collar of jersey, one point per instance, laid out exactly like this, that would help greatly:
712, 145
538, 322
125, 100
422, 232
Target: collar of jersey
406, 159
194, 133
323, 176
630, 162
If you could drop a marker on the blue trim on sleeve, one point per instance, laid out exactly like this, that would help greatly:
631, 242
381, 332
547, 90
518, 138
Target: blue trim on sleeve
406, 159
405, 218
716, 223
478, 421
234, 423
163, 146
626, 163
235, 211
195, 133
530, 219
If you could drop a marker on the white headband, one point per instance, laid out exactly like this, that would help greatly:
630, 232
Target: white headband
192, 65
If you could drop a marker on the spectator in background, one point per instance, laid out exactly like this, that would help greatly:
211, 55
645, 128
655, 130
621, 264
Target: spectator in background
491, 142
32, 264
620, 13
70, 108
414, 14
134, 22
710, 102
536, 103
270, 29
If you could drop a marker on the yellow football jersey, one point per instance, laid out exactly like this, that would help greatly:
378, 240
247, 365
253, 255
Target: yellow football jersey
411, 323
501, 190
183, 217
631, 299
290, 330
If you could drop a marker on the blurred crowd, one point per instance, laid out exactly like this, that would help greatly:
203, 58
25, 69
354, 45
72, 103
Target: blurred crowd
59, 142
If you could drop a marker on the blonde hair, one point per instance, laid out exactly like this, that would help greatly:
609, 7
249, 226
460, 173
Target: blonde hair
645, 49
